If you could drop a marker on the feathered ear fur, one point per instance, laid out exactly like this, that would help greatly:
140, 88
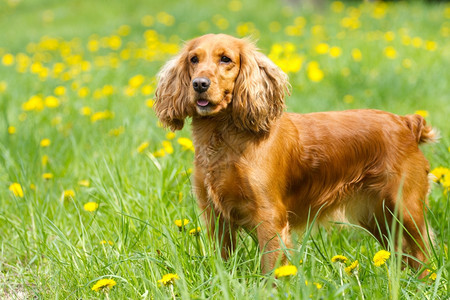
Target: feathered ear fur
171, 105
259, 92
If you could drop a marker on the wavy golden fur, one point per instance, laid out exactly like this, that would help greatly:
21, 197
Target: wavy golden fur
259, 167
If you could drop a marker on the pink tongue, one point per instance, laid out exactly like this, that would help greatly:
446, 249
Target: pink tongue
202, 102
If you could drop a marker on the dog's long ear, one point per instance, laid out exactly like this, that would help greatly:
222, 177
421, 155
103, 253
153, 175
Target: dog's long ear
259, 92
172, 102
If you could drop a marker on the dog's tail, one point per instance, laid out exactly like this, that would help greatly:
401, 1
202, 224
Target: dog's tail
422, 132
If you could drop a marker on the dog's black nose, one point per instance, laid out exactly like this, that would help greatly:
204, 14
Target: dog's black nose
201, 84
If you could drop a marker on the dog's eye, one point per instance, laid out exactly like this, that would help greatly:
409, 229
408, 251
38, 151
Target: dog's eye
194, 59
225, 59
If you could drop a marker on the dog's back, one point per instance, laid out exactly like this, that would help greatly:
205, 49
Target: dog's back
366, 163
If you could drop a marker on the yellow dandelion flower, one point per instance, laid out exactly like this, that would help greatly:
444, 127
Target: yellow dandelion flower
318, 285
339, 258
185, 143
124, 30
293, 30
235, 5
422, 113
11, 130
165, 19
389, 36
56, 120
407, 63
170, 135
114, 42
84, 183
439, 173
136, 81
195, 231
97, 94
283, 271
432, 275
390, 52
3, 86
314, 72
90, 206
220, 22
168, 279
107, 90
142, 147
84, 92
104, 284
102, 115
93, 45
117, 131
430, 45
47, 176
167, 147
103, 242
44, 160
147, 90
45, 143
86, 111
8, 59
406, 40
245, 28
150, 102
181, 223
159, 153
16, 189
337, 6
352, 267
381, 257
322, 48
446, 183
59, 91
349, 99
69, 194
335, 51
58, 68
379, 10
34, 103
51, 101
356, 54
416, 42
129, 91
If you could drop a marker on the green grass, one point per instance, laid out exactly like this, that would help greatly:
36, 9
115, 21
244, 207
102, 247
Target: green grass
50, 246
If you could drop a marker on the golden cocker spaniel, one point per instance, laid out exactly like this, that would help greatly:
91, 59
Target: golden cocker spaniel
258, 166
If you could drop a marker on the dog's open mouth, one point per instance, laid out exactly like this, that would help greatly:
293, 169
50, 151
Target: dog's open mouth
202, 103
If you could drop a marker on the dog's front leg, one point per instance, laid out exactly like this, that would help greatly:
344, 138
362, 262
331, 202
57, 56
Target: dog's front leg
274, 240
221, 231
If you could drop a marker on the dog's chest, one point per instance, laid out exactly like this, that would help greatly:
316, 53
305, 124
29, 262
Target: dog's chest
225, 186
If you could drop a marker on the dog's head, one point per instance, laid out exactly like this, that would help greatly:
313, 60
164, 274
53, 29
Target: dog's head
216, 74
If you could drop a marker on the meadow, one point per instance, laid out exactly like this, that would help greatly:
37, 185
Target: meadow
95, 197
